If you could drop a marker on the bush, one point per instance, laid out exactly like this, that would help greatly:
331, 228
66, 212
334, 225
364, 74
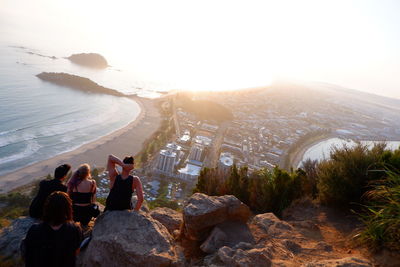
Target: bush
16, 205
382, 214
345, 177
262, 191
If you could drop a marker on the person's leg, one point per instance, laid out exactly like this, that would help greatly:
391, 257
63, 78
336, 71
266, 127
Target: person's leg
86, 215
76, 213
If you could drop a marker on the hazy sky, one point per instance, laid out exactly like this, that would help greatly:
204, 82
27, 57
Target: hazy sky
223, 44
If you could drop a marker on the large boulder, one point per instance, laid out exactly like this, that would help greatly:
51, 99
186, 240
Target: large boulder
229, 233
11, 237
124, 238
170, 218
202, 213
273, 227
244, 255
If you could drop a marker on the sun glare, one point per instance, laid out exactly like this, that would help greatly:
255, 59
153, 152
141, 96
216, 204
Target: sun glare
219, 45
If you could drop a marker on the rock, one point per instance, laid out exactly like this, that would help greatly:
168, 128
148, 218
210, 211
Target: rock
92, 60
170, 218
345, 262
202, 212
324, 246
125, 238
229, 233
144, 206
273, 227
306, 224
11, 237
292, 246
240, 257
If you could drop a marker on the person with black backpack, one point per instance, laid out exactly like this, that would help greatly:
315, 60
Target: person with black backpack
55, 241
46, 187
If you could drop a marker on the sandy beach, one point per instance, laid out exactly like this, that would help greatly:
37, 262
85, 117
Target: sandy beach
297, 156
125, 141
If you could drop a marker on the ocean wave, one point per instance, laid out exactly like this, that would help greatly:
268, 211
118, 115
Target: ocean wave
15, 139
29, 150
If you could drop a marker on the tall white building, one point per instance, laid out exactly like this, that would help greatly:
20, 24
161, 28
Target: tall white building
166, 161
196, 152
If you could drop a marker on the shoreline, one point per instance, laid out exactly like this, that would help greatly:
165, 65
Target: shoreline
297, 156
127, 140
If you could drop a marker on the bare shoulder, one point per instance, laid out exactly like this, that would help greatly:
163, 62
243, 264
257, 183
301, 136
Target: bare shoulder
136, 178
136, 181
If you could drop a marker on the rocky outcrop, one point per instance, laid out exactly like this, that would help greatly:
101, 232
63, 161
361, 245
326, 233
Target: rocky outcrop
11, 237
124, 238
92, 60
273, 227
243, 254
202, 213
229, 233
170, 218
345, 262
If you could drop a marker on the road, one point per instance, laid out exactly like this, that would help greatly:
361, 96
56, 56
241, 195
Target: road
213, 155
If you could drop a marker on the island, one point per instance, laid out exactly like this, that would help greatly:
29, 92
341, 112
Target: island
77, 82
92, 60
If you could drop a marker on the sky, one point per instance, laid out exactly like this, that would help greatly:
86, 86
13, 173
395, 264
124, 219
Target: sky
217, 45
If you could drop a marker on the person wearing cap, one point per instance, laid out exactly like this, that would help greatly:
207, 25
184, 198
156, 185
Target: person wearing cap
46, 187
122, 185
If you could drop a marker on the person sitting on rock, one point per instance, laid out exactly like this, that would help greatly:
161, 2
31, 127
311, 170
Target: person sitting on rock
46, 187
55, 241
122, 185
82, 190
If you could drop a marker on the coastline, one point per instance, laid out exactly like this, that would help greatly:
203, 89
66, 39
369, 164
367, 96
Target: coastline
125, 141
297, 156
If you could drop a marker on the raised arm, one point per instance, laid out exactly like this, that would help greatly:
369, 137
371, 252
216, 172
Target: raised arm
112, 171
137, 185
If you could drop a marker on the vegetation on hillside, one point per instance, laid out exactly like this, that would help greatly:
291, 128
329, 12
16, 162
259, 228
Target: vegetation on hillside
204, 109
381, 216
263, 191
360, 178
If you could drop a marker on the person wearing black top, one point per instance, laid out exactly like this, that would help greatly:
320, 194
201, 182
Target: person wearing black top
122, 185
82, 190
46, 187
54, 242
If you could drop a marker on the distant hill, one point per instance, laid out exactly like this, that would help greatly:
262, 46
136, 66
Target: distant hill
92, 60
77, 82
204, 109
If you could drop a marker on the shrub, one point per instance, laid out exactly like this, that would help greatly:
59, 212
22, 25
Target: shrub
262, 191
344, 178
382, 214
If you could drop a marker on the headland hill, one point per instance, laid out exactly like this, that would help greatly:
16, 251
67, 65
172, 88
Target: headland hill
92, 60
77, 82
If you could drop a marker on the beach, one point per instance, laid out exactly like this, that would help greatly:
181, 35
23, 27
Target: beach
297, 156
125, 141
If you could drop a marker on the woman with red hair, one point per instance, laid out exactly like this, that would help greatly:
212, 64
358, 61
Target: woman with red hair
55, 241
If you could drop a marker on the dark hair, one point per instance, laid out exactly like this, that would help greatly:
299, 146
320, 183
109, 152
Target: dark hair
57, 208
61, 171
128, 160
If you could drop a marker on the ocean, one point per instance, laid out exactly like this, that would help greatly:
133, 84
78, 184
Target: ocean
39, 120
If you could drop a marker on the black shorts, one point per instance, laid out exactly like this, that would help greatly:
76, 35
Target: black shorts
84, 214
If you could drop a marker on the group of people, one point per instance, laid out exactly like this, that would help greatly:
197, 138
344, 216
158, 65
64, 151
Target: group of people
56, 240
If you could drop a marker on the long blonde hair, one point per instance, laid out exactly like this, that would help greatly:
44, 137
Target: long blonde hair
82, 173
